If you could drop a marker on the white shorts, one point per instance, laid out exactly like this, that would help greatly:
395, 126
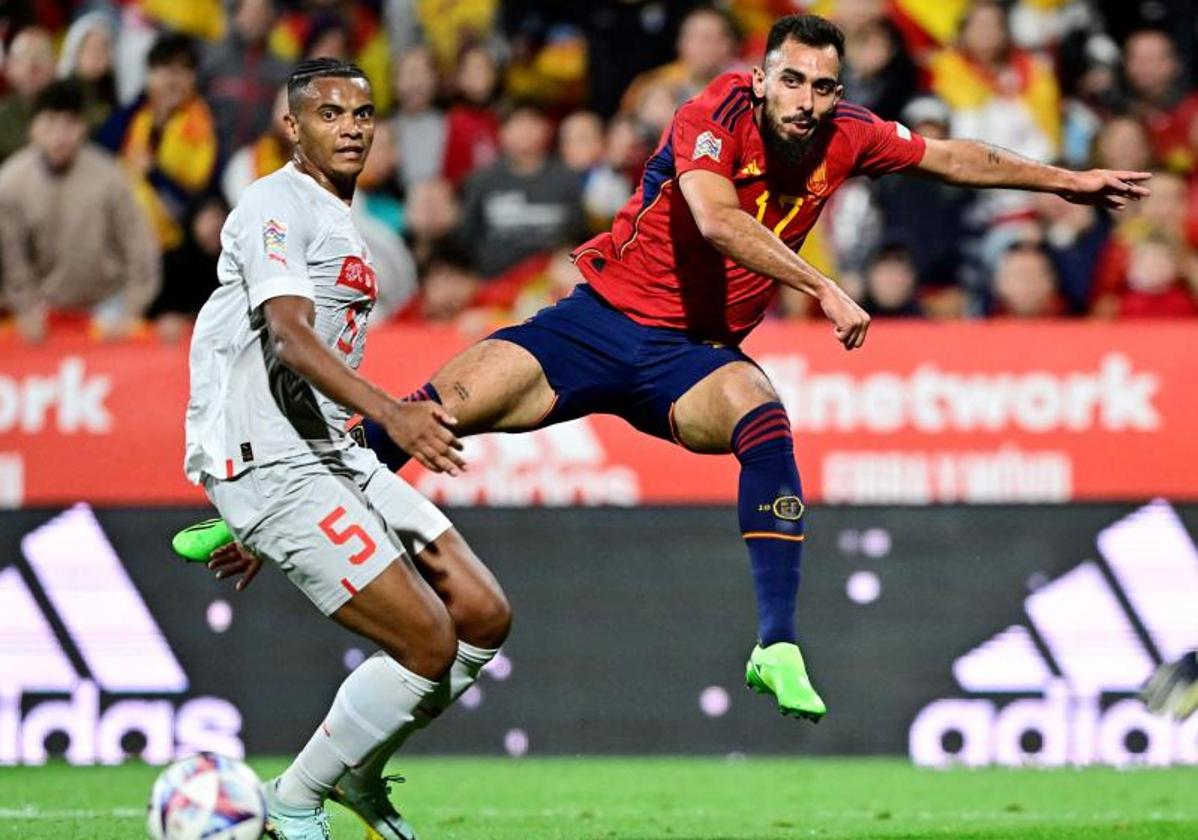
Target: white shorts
332, 523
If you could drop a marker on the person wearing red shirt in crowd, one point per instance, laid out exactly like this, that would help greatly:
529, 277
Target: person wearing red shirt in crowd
689, 268
1156, 92
472, 123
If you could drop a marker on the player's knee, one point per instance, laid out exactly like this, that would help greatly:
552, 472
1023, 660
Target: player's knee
748, 388
427, 643
485, 619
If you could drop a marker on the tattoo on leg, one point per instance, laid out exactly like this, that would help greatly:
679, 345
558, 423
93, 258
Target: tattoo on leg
460, 390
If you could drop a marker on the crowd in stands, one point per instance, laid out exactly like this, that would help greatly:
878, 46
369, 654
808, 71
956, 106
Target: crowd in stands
509, 132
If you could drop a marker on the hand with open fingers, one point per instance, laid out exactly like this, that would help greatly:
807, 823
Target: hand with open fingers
1107, 188
234, 559
851, 322
423, 430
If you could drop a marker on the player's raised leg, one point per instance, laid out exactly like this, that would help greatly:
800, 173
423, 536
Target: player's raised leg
494, 385
736, 409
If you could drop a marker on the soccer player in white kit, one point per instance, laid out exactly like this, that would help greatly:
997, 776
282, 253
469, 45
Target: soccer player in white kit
273, 388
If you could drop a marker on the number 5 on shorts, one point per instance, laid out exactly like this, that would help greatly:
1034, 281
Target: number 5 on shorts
352, 532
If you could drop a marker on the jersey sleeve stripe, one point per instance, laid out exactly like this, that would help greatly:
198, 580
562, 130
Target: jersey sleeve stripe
715, 115
729, 122
850, 110
728, 101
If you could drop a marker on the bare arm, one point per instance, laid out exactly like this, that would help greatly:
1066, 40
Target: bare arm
971, 163
420, 428
737, 235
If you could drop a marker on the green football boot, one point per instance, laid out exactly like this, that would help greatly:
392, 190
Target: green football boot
196, 543
779, 670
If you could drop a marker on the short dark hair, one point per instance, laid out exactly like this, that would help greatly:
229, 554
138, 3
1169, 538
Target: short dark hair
62, 96
812, 30
319, 68
173, 48
449, 253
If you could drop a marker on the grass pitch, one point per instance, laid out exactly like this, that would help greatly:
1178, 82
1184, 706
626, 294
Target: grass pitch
674, 799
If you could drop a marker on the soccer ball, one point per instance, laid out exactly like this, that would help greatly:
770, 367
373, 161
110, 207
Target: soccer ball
206, 796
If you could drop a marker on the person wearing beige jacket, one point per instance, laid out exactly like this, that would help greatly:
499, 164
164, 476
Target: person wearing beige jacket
72, 236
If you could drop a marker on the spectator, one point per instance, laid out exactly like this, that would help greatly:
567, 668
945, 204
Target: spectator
347, 29
1074, 237
378, 193
1155, 89
28, 68
328, 36
71, 234
609, 185
431, 215
240, 76
928, 218
1153, 285
419, 126
1088, 66
546, 61
189, 271
1025, 285
447, 289
87, 56
1123, 144
447, 28
1162, 213
524, 203
580, 142
378, 214
891, 285
167, 139
472, 125
548, 286
878, 73
1005, 95
706, 46
265, 155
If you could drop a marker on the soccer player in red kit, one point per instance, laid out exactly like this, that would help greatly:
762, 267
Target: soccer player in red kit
690, 267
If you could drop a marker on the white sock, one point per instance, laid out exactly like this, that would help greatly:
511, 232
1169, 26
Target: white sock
466, 667
378, 698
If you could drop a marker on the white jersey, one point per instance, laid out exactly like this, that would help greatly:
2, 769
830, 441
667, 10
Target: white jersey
287, 236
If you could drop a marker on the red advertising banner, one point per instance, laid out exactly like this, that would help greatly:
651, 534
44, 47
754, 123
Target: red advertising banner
925, 413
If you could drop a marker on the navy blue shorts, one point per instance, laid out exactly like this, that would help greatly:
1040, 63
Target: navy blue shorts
600, 361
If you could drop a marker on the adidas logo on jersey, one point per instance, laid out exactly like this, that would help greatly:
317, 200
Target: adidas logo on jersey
77, 626
1092, 637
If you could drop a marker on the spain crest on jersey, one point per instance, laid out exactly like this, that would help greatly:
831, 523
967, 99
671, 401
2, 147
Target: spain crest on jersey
707, 145
817, 184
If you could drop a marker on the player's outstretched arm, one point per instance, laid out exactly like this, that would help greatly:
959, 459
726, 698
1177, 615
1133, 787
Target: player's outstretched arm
421, 428
738, 236
972, 163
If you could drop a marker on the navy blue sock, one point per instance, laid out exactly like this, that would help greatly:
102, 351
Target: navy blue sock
771, 509
380, 442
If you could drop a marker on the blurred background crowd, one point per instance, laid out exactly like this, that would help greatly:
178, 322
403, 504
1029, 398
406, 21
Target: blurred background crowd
511, 131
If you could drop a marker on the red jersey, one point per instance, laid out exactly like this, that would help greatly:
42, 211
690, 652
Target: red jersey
655, 266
